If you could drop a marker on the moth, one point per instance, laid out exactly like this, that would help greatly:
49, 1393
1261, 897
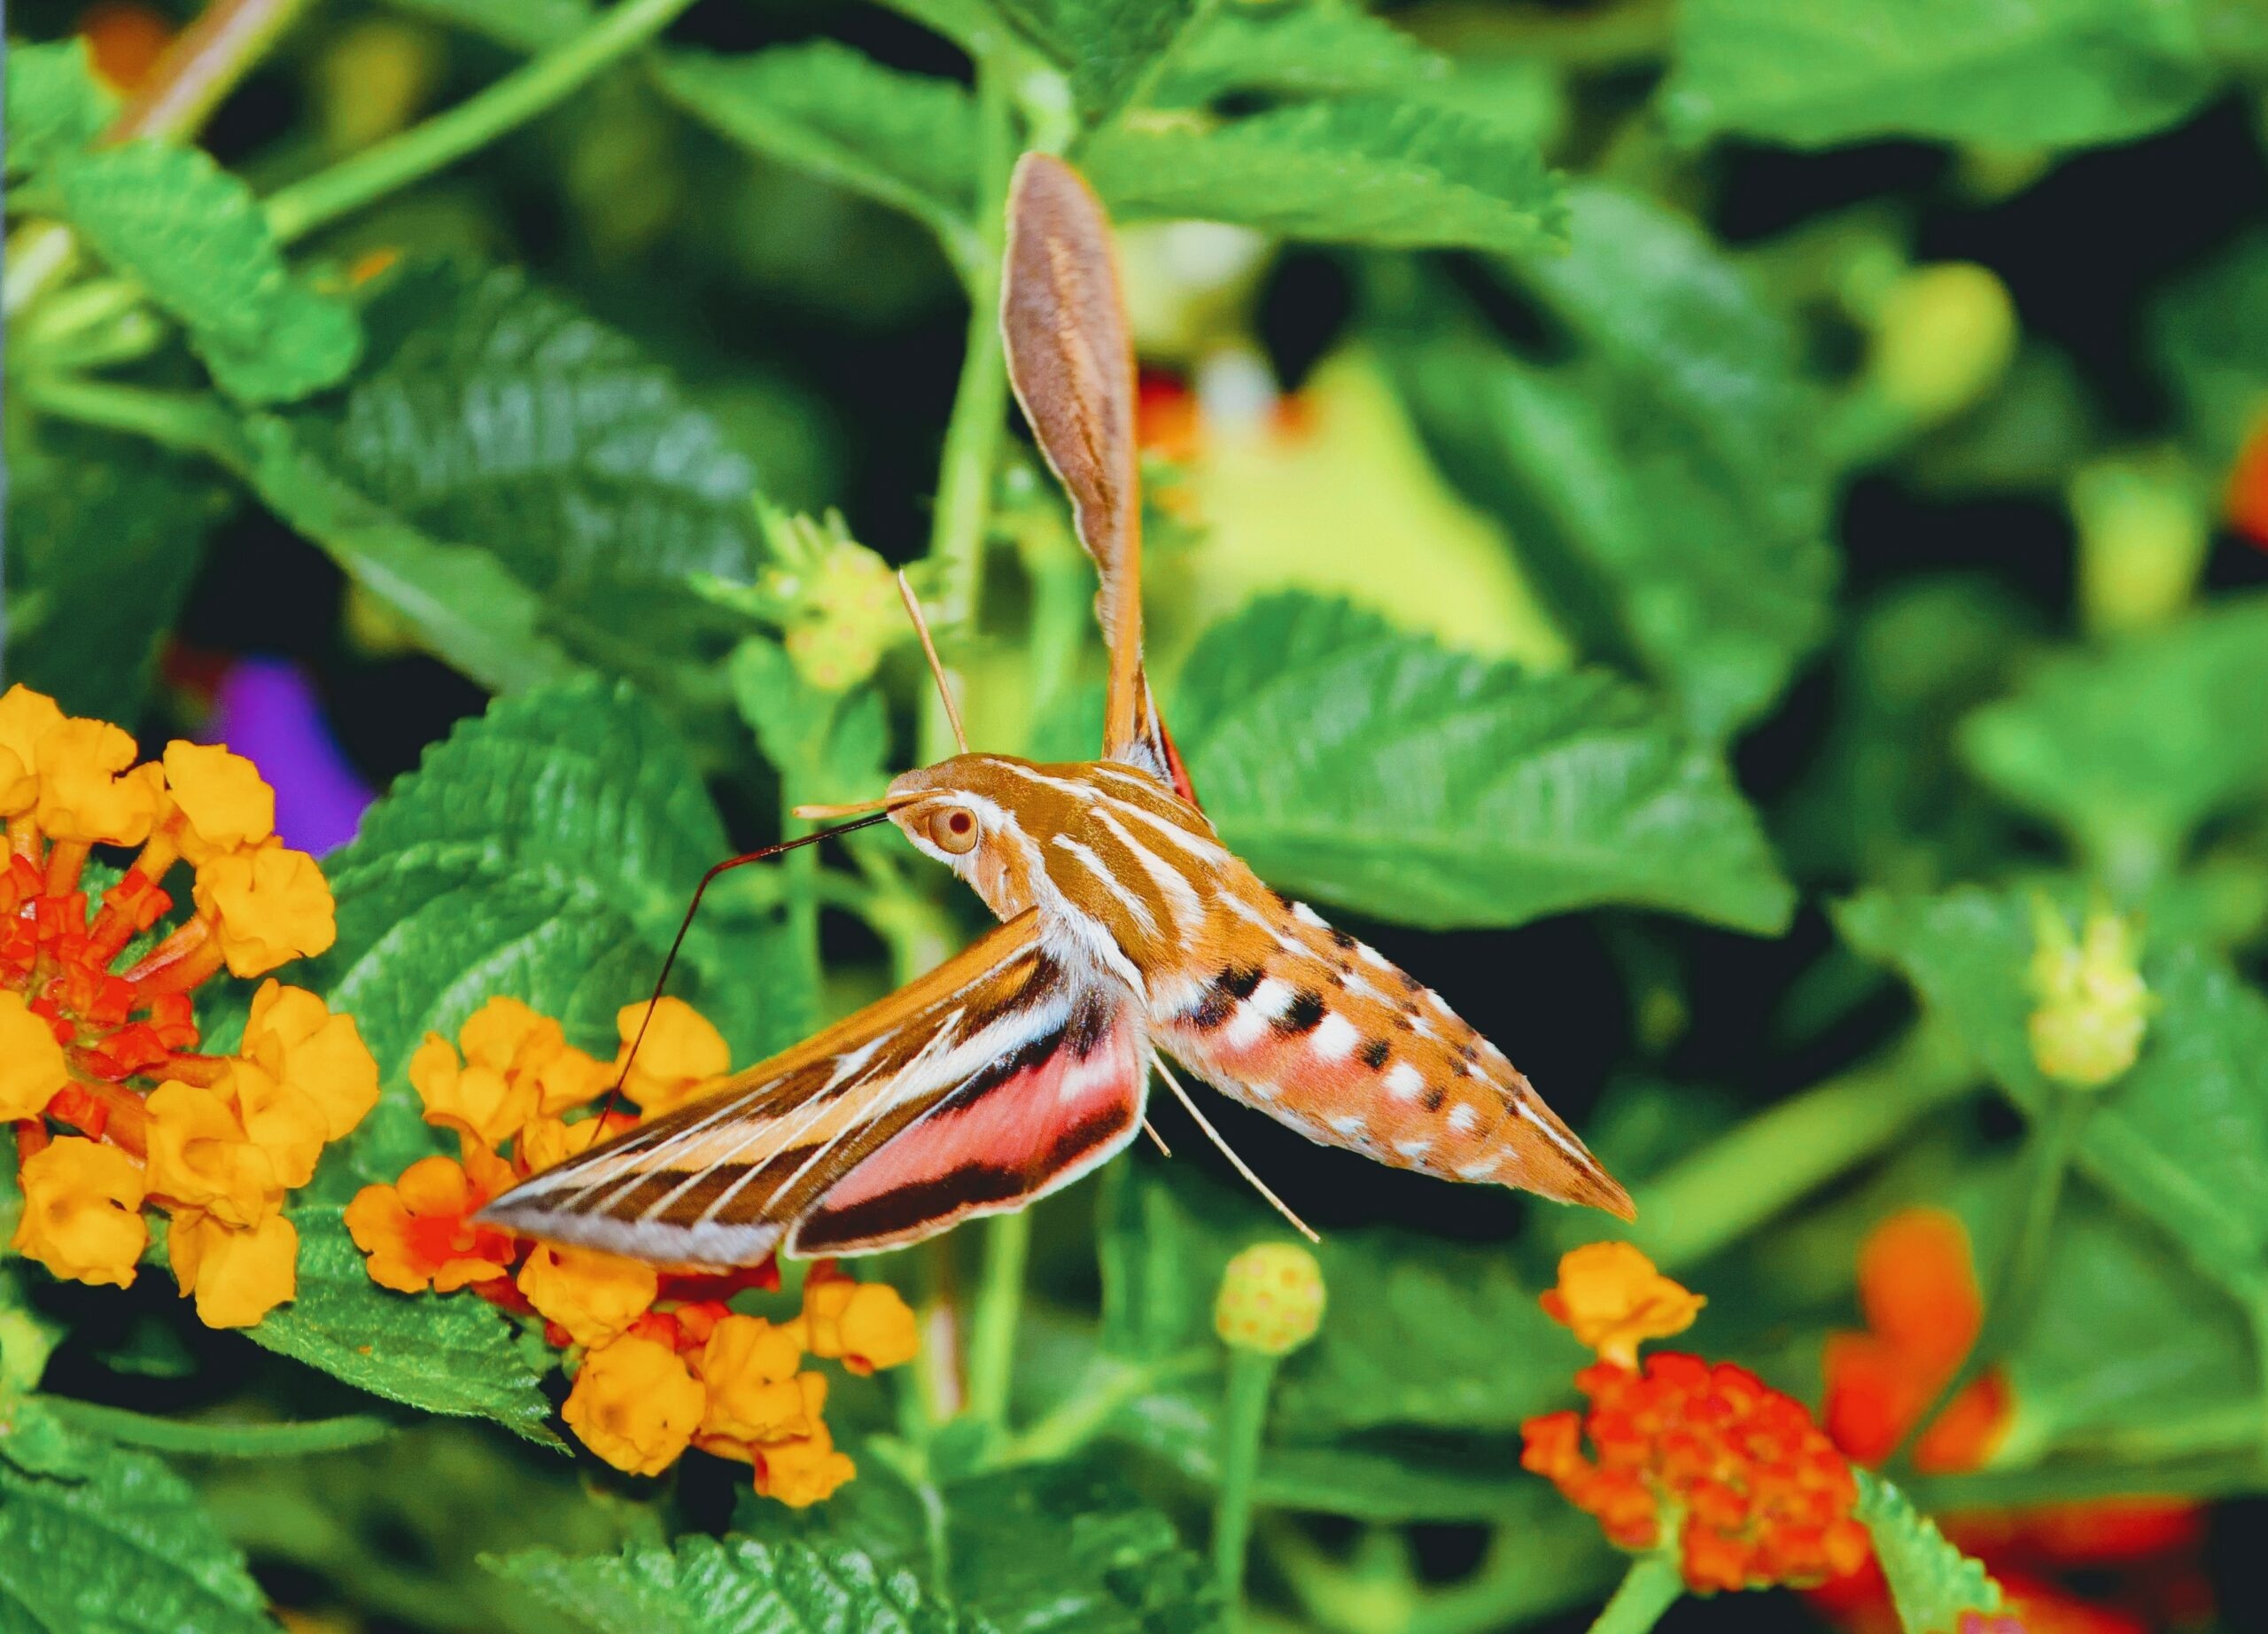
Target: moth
1127, 933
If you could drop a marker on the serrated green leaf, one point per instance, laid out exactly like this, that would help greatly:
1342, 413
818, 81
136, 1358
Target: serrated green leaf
545, 851
2131, 748
2213, 357
1343, 759
121, 1547
1374, 170
1315, 48
194, 237
55, 104
741, 1582
1106, 47
445, 1353
906, 140
104, 536
1931, 1581
492, 420
1677, 395
213, 1438
2041, 72
2183, 1137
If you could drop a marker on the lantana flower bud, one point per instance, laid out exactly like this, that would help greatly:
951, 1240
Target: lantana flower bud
1943, 334
2093, 1004
835, 597
1271, 1299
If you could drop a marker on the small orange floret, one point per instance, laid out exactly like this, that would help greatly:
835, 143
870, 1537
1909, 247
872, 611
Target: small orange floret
2247, 501
1612, 1299
418, 1233
1765, 1496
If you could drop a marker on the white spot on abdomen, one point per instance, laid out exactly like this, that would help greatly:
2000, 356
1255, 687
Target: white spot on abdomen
1403, 1081
1268, 1000
1334, 1038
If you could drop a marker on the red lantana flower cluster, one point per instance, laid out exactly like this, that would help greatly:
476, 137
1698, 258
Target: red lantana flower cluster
1757, 1493
1751, 1490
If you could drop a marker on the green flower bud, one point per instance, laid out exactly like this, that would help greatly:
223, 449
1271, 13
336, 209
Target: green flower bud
1943, 337
1271, 1299
2143, 536
837, 599
2093, 1004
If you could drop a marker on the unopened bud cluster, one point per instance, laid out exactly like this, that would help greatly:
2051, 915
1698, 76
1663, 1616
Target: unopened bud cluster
835, 596
2092, 1003
1271, 1299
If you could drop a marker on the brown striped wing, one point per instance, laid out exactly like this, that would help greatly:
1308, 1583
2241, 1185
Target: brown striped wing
1071, 360
976, 1088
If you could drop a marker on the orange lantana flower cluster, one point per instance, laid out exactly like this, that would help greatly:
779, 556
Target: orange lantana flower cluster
661, 1359
113, 1104
1754, 1491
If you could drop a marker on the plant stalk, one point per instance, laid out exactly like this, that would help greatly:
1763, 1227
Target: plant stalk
435, 144
2014, 1287
993, 1320
1243, 1421
1651, 1588
1747, 1175
206, 61
972, 447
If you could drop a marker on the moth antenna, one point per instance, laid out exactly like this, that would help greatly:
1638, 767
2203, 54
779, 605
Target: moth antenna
1158, 1064
661, 982
1156, 1140
937, 669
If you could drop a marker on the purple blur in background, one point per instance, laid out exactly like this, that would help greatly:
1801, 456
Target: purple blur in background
267, 711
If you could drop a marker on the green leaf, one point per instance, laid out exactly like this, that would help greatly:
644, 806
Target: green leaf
214, 1438
2131, 748
1106, 47
1317, 48
528, 481
460, 598
1053, 1549
1673, 391
1931, 1581
121, 1547
195, 237
2183, 1137
445, 1353
2216, 361
1885, 801
1378, 770
741, 1582
907, 140
1068, 1549
104, 536
545, 851
1374, 170
2039, 72
55, 104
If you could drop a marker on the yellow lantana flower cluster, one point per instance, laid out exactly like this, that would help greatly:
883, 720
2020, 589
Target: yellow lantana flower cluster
113, 1105
661, 1360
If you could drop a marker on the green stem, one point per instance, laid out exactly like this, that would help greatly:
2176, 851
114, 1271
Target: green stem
1651, 1588
993, 1323
1080, 1417
185, 422
972, 447
2012, 1290
1243, 1419
1747, 1175
530, 89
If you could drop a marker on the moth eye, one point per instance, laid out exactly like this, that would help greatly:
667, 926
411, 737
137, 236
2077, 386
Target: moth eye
954, 829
